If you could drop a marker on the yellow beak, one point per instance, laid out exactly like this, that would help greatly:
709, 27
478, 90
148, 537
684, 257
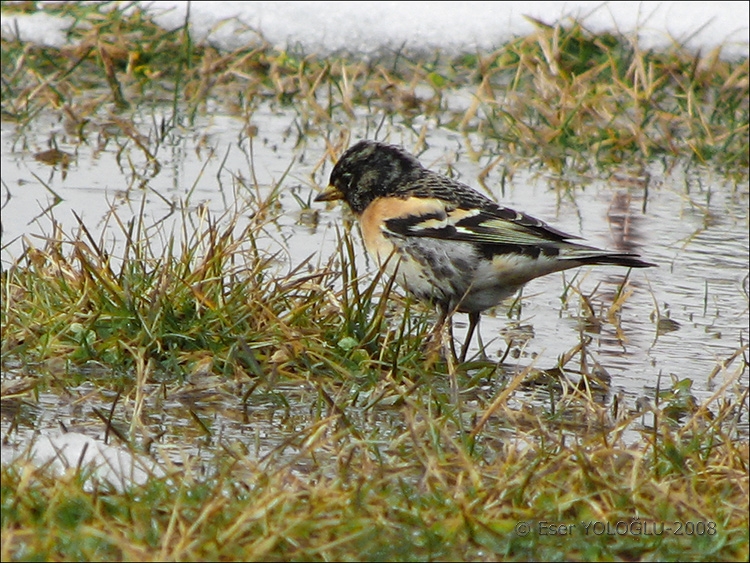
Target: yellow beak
331, 193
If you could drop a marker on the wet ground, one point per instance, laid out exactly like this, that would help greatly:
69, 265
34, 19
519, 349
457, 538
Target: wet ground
681, 320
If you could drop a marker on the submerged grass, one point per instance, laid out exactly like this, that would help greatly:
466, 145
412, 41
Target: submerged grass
395, 455
424, 490
179, 306
392, 460
564, 97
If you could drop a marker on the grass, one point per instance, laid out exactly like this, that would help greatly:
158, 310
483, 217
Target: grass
598, 100
317, 428
430, 490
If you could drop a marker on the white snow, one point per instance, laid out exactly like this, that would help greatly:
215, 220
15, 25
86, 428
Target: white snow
65, 452
365, 26
41, 28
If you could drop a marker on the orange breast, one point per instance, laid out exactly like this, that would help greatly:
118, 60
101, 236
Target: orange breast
381, 210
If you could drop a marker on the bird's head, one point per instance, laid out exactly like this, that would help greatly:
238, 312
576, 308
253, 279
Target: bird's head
368, 170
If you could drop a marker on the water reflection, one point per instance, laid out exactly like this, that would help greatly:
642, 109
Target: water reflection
682, 319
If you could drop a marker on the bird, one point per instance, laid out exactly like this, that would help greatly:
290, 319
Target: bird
446, 243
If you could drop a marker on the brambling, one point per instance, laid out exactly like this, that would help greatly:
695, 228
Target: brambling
447, 243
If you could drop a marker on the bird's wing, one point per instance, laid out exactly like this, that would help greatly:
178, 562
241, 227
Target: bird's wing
489, 225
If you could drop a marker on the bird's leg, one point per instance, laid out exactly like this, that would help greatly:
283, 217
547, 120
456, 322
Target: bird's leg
473, 322
449, 320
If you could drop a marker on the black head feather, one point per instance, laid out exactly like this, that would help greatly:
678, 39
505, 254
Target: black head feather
370, 169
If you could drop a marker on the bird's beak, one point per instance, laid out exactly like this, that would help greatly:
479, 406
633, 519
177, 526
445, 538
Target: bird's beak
331, 193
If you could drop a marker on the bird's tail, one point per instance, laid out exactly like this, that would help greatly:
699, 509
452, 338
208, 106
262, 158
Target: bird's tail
602, 257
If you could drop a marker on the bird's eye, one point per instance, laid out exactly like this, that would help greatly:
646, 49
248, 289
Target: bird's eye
347, 178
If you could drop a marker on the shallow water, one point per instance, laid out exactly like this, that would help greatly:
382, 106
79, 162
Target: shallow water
692, 222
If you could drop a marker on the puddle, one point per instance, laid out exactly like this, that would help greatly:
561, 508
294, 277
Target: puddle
693, 224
